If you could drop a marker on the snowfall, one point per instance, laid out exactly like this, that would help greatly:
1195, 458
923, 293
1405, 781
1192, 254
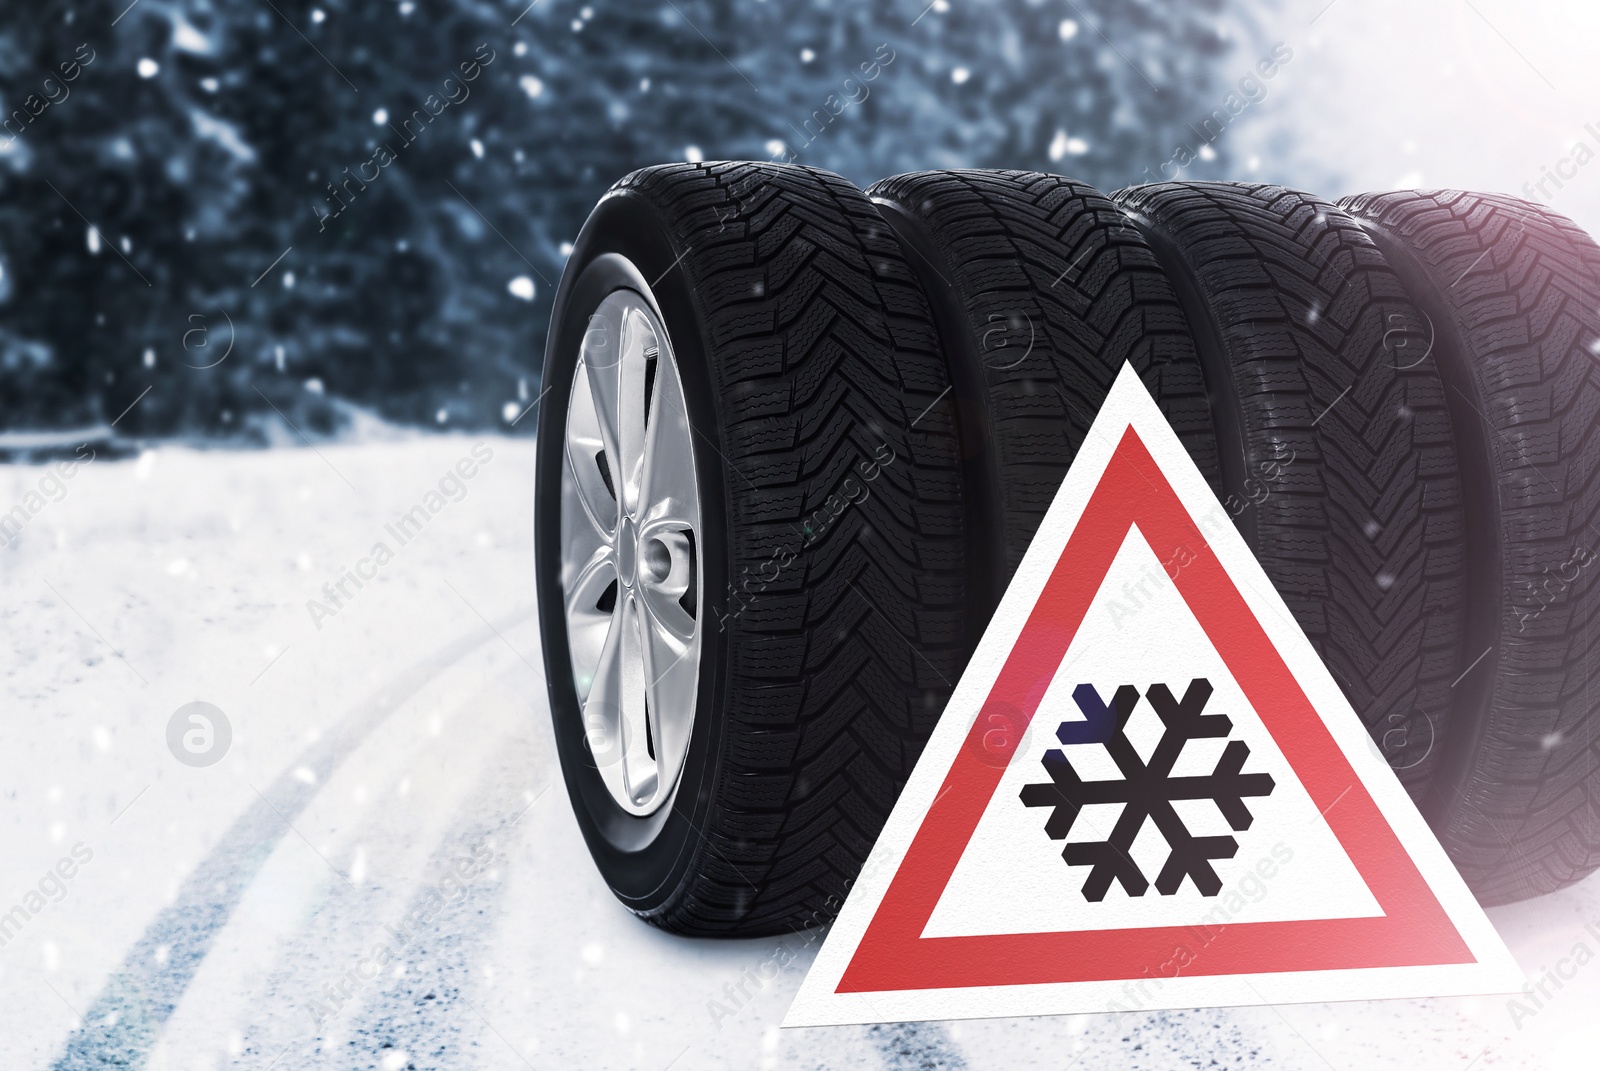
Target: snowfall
386, 748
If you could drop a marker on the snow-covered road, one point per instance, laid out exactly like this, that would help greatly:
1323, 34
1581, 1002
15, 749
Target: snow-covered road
380, 868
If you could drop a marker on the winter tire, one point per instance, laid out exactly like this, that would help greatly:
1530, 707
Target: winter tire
1042, 290
1512, 291
1335, 444
790, 561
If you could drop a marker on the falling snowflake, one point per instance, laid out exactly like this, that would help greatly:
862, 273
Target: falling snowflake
1146, 791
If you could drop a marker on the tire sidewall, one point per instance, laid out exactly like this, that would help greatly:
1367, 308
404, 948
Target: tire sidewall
624, 245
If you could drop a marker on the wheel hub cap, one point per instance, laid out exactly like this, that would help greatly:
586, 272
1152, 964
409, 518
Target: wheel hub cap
630, 524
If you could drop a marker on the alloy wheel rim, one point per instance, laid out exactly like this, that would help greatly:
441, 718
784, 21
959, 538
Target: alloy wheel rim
630, 566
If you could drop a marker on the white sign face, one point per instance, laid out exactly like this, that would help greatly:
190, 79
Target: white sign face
1146, 792
1286, 864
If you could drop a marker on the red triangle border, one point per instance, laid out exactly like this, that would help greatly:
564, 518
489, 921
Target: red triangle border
1414, 928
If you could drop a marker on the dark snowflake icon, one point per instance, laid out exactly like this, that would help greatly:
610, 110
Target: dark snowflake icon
1147, 790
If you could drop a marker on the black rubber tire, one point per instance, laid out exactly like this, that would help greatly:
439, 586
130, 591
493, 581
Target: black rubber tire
812, 374
1308, 340
1513, 291
1042, 291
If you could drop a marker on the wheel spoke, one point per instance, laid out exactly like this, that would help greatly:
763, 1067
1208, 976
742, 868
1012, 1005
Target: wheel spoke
667, 614
638, 350
602, 712
589, 627
672, 672
586, 446
669, 491
638, 765
583, 532
603, 372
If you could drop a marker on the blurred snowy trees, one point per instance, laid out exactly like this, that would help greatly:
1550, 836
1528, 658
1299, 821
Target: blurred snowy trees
145, 203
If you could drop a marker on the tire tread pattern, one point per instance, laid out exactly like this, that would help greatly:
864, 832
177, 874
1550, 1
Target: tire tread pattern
1056, 291
1361, 532
1520, 288
823, 356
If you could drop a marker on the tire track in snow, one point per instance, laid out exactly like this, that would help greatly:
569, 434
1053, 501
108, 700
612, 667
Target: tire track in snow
916, 1047
424, 1020
299, 932
123, 1022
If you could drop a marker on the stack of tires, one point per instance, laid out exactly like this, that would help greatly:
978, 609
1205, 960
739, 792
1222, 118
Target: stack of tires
795, 437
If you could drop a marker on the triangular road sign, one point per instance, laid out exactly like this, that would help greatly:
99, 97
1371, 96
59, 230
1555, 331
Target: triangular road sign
1147, 792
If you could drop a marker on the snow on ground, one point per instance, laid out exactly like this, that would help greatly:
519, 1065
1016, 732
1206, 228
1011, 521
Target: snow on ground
382, 871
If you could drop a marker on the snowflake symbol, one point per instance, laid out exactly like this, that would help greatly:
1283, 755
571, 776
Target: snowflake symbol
1146, 791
